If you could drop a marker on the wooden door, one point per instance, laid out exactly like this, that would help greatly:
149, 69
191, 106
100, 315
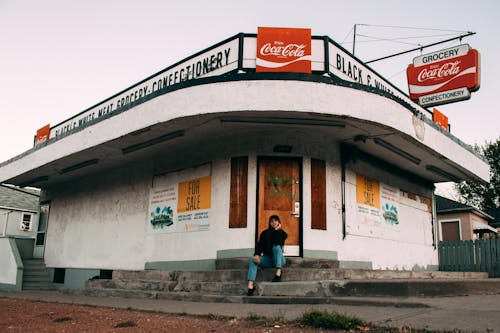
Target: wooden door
451, 231
279, 194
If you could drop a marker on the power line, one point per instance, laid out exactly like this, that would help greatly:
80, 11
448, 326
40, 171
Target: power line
411, 28
398, 40
422, 47
348, 34
377, 39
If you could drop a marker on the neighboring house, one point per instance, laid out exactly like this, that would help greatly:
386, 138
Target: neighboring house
18, 212
457, 221
19, 217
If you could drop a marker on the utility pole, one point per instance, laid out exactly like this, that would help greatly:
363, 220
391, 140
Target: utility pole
354, 40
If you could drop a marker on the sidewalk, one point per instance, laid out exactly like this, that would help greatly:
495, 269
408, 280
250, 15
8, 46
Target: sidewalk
478, 313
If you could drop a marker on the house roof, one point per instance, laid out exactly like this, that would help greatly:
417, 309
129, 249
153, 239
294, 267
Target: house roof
445, 205
16, 198
482, 227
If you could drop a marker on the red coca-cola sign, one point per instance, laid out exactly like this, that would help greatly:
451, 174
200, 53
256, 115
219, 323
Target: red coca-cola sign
42, 135
444, 71
283, 50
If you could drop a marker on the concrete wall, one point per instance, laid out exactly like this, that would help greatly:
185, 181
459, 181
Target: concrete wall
413, 249
101, 221
11, 271
407, 245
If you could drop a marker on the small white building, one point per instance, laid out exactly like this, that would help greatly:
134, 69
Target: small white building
20, 232
186, 166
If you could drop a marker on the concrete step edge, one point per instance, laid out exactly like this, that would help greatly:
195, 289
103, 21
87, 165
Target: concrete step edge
215, 298
373, 288
307, 273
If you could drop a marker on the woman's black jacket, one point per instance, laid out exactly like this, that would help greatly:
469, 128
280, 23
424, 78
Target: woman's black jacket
269, 238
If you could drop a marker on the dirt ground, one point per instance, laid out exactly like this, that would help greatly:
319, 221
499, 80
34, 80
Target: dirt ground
30, 316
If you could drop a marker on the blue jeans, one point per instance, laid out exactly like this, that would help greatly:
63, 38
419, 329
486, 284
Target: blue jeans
276, 261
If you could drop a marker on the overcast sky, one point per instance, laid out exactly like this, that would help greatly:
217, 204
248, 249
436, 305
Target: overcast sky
59, 57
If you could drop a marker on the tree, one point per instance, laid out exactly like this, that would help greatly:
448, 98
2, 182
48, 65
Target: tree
478, 194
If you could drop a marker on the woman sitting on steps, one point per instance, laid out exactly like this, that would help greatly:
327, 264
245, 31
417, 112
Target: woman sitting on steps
268, 252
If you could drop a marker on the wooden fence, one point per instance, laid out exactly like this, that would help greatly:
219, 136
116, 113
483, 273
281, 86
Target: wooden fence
470, 256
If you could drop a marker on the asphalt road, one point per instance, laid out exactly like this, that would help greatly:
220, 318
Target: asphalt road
480, 313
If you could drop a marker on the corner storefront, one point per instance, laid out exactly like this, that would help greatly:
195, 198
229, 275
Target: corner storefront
186, 166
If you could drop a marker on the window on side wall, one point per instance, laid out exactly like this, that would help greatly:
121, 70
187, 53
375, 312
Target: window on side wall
26, 222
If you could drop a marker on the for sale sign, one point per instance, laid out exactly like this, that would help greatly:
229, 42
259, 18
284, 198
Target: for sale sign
452, 69
283, 50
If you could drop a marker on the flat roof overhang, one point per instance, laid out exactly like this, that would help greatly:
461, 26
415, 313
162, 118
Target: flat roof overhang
229, 114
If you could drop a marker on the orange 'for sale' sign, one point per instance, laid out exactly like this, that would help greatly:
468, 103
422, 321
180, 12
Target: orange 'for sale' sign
283, 50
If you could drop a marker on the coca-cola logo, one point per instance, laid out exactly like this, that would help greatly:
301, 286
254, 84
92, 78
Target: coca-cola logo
445, 70
290, 50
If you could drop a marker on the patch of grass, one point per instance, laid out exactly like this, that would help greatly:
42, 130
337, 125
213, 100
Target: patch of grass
257, 319
62, 319
330, 320
263, 320
125, 324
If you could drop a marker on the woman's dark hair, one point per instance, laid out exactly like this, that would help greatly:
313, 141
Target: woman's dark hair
273, 217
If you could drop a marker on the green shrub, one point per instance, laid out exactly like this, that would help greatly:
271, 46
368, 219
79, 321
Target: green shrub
330, 320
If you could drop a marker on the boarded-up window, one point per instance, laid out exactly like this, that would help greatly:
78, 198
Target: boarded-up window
451, 231
318, 194
239, 194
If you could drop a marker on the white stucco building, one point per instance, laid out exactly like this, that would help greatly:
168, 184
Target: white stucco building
186, 166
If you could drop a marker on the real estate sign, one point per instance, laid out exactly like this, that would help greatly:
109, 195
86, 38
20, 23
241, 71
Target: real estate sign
180, 201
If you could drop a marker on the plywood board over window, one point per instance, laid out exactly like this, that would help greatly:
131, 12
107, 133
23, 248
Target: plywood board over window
239, 192
318, 194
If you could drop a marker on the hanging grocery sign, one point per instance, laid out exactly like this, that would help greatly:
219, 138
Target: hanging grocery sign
444, 76
283, 50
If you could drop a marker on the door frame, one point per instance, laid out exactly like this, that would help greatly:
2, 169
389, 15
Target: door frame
299, 161
39, 250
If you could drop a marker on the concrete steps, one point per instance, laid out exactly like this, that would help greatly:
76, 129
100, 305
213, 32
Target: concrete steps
36, 276
306, 281
381, 288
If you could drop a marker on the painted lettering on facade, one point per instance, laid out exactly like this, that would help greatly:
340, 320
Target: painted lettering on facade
214, 62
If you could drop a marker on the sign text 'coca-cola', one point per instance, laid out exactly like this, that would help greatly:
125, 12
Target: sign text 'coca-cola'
283, 50
443, 71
